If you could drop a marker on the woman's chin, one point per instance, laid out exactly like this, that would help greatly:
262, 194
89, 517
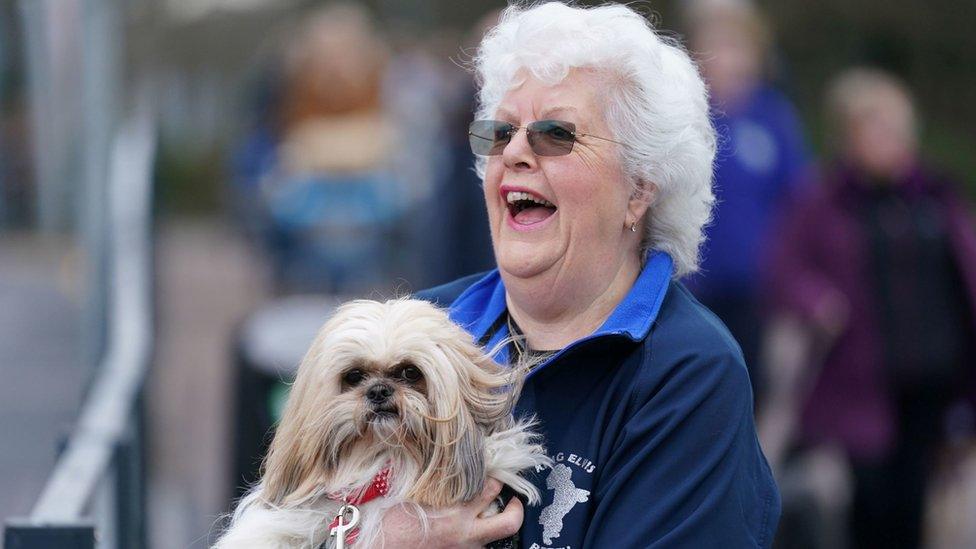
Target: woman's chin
524, 264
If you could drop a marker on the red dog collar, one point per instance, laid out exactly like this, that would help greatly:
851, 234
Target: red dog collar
379, 487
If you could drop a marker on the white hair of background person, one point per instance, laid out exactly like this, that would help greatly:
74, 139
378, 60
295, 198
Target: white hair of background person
859, 89
656, 103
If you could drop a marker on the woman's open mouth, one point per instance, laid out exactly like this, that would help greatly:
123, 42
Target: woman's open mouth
528, 209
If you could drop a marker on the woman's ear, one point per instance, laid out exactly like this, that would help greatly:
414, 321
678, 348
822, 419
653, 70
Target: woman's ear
641, 199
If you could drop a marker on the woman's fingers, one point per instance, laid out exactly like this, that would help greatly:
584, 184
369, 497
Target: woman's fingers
492, 488
500, 526
458, 526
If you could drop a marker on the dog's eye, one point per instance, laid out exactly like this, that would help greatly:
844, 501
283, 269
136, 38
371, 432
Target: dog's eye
410, 374
353, 377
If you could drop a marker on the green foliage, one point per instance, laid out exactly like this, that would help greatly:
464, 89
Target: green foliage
952, 151
189, 182
929, 45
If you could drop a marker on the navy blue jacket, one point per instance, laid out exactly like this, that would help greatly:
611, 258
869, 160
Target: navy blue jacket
649, 421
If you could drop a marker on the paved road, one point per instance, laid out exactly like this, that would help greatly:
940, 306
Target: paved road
208, 280
42, 375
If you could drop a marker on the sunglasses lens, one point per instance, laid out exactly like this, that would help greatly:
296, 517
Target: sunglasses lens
552, 137
546, 137
489, 137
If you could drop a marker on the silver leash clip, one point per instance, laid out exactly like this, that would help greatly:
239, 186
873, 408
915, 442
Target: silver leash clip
343, 526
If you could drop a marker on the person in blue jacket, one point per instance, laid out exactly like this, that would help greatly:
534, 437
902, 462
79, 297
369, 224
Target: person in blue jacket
762, 160
594, 144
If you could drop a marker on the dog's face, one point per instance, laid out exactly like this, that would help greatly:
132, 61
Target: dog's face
394, 381
383, 390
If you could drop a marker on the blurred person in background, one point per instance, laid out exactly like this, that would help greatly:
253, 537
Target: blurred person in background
317, 165
253, 156
317, 184
872, 281
761, 156
464, 246
316, 171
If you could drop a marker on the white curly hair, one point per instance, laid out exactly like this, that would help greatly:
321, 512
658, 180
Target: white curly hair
656, 102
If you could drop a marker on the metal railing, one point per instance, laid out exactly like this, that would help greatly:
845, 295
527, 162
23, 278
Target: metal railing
95, 492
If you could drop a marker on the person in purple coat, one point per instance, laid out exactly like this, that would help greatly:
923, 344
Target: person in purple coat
873, 280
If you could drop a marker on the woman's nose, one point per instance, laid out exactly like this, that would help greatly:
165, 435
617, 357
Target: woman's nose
518, 154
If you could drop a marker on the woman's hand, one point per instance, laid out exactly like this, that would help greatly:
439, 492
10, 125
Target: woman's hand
455, 528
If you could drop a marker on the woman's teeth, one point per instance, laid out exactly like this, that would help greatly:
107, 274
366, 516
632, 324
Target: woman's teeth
515, 196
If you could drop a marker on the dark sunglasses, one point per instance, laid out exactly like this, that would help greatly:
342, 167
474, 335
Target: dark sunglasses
546, 137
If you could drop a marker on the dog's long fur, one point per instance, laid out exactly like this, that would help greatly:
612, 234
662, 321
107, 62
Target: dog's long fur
450, 430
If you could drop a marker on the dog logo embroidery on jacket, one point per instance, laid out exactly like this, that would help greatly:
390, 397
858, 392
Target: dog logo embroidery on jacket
566, 496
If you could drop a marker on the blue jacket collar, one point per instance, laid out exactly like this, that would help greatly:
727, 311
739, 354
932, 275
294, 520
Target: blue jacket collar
478, 307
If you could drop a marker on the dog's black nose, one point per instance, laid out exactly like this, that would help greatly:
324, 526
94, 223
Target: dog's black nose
379, 393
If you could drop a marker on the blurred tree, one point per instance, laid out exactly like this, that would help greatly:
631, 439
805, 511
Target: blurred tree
930, 45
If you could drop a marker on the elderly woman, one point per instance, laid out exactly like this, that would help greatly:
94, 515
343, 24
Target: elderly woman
595, 148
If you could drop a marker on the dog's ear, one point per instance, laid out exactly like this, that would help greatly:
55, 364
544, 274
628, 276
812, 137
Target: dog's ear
290, 466
477, 403
454, 466
490, 389
302, 455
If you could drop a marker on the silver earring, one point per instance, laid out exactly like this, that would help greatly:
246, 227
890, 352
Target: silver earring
633, 227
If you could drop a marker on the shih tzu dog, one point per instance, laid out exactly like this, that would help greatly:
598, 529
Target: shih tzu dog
393, 404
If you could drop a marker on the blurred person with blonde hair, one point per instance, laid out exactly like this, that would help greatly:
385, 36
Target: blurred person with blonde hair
761, 156
330, 193
331, 112
873, 283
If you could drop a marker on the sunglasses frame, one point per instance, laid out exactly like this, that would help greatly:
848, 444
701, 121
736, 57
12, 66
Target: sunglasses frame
532, 135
